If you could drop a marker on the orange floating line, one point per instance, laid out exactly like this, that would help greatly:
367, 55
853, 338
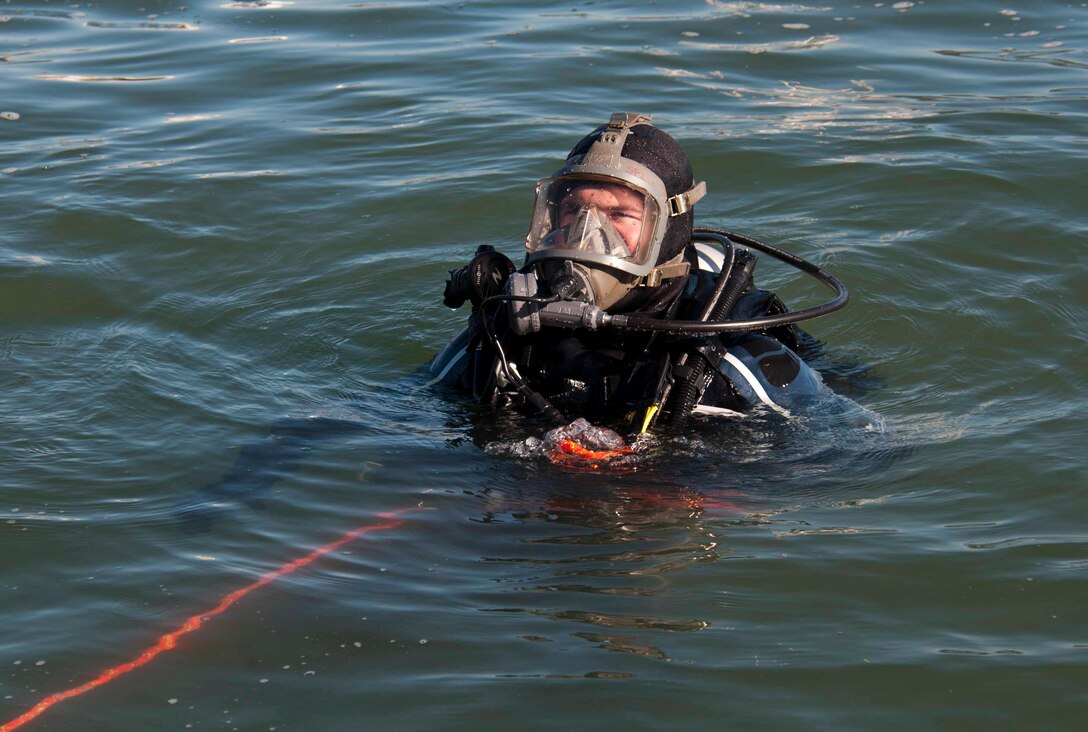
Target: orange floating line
169, 641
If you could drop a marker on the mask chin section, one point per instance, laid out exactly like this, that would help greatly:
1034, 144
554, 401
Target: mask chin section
600, 286
568, 282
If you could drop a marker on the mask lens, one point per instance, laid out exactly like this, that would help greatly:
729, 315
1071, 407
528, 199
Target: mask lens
600, 217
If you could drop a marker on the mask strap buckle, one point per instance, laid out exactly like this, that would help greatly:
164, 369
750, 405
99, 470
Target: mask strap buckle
667, 271
623, 120
683, 202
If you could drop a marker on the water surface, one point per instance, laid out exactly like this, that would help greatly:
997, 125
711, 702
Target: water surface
222, 214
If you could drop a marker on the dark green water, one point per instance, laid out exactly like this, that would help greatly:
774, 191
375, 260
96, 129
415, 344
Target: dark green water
222, 214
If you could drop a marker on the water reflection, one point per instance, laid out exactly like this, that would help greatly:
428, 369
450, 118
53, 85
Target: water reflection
607, 558
611, 554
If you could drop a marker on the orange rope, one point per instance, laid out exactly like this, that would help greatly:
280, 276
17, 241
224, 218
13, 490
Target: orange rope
169, 641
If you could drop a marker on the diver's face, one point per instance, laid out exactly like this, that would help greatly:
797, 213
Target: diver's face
620, 206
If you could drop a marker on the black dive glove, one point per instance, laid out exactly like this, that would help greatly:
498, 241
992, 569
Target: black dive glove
481, 278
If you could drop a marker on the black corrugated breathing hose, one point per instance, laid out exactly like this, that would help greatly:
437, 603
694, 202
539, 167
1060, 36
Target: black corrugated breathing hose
732, 285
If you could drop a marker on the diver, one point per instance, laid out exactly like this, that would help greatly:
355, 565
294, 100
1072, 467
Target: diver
623, 312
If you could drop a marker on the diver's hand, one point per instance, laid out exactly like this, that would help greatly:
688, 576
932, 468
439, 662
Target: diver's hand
478, 280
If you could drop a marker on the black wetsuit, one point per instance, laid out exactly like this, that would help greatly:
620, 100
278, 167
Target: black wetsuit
615, 374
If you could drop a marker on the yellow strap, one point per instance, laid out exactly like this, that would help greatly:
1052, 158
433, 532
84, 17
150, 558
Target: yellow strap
650, 412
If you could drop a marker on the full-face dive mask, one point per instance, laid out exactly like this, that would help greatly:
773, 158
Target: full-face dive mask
599, 222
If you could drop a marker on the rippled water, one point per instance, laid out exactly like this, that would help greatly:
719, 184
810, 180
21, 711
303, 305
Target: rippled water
223, 214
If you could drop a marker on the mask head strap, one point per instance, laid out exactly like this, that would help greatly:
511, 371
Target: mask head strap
608, 149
